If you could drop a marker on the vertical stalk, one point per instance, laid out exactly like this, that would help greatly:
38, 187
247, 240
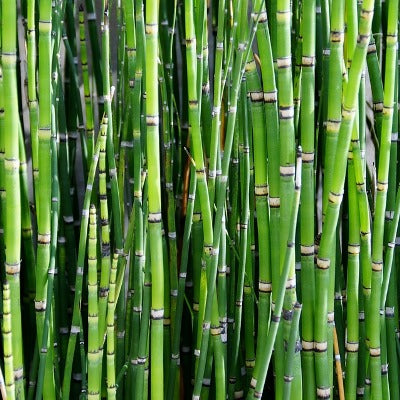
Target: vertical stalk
353, 251
111, 300
32, 98
380, 207
45, 354
89, 115
7, 343
286, 169
93, 356
12, 223
138, 263
154, 187
307, 207
244, 219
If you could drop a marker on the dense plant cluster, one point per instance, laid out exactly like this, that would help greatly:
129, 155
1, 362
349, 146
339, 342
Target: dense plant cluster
199, 199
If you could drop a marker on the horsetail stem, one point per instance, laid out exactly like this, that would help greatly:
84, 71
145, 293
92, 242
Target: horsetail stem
12, 221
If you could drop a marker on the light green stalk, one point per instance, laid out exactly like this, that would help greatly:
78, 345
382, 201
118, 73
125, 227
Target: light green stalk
12, 223
154, 190
93, 355
307, 208
353, 249
47, 335
7, 343
32, 98
391, 310
380, 207
111, 388
265, 44
294, 333
105, 246
287, 160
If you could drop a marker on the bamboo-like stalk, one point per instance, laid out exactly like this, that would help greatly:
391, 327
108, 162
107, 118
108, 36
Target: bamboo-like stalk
111, 387
307, 232
232, 234
105, 246
287, 160
44, 187
291, 350
89, 115
376, 87
261, 202
169, 238
392, 303
94, 359
154, 217
2, 170
31, 76
27, 236
12, 222
380, 207
141, 379
265, 44
244, 219
47, 338
353, 261
197, 233
7, 343
338, 365
365, 246
217, 97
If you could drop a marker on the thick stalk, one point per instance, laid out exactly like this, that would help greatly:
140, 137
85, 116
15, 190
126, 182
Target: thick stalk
353, 250
380, 207
7, 343
12, 223
307, 207
32, 98
111, 302
154, 193
93, 355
